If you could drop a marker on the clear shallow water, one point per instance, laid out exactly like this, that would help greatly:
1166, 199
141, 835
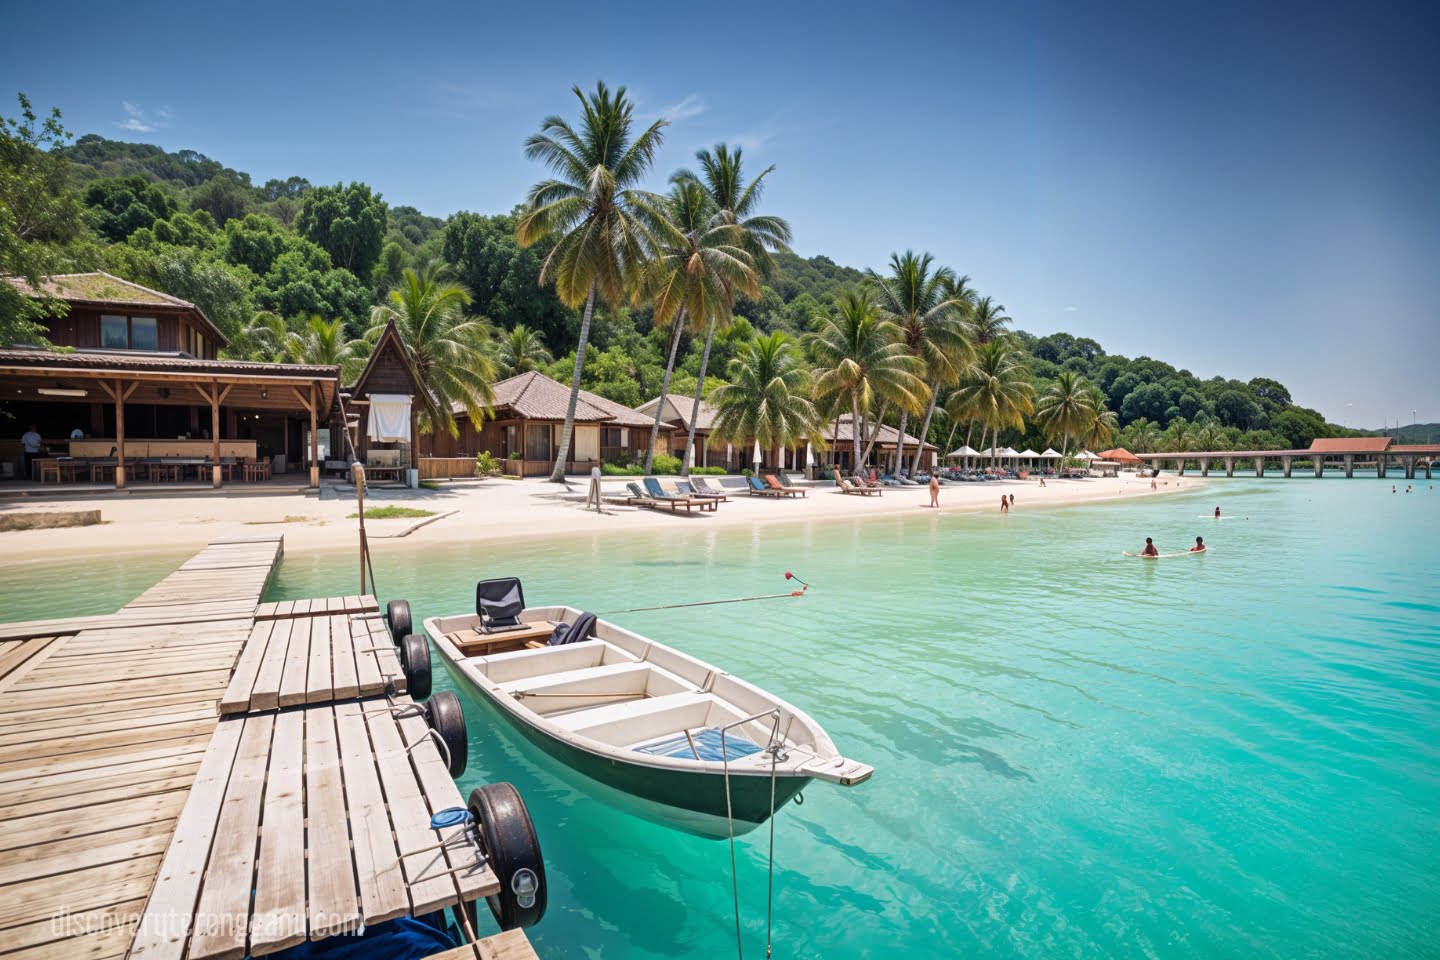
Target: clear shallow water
1077, 755
49, 588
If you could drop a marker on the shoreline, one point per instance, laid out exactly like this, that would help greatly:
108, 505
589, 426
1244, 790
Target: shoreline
504, 511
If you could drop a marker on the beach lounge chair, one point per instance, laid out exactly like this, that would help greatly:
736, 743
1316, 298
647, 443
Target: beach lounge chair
847, 487
701, 486
687, 488
674, 500
758, 489
773, 482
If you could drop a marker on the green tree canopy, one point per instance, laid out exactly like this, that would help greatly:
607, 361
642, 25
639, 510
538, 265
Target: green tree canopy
348, 223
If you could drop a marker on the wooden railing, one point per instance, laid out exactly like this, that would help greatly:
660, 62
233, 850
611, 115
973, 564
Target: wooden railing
440, 468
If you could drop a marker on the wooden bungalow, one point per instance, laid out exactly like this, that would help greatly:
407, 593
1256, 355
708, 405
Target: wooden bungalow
382, 409
524, 431
840, 435
676, 415
139, 393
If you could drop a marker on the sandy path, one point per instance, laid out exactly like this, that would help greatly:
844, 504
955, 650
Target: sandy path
493, 510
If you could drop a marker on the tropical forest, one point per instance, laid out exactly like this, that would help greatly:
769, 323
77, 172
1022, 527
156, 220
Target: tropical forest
609, 276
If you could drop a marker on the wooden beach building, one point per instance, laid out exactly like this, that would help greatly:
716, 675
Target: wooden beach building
526, 427
137, 392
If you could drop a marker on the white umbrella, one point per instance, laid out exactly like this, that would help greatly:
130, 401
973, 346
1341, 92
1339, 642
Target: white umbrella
757, 452
966, 451
1087, 455
1050, 454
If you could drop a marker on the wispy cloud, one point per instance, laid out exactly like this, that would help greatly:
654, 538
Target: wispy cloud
1071, 309
691, 106
141, 120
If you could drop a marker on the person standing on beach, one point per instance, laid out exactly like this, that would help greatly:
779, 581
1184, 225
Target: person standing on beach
1012, 499
1004, 504
934, 491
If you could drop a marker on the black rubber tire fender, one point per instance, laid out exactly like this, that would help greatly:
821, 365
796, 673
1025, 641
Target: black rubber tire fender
397, 615
445, 716
415, 662
512, 848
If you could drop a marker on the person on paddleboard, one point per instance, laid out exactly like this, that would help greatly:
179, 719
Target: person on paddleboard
1200, 541
1149, 550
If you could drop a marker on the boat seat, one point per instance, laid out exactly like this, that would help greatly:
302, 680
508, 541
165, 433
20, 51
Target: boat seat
580, 676
635, 721
547, 661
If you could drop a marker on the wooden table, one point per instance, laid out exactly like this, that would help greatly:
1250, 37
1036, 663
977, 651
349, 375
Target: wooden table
57, 469
389, 474
307, 823
316, 658
475, 642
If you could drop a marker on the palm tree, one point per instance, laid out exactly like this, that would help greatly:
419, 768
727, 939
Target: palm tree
692, 277
988, 320
722, 177
1066, 410
1178, 435
447, 347
995, 390
521, 350
767, 396
1209, 436
324, 344
929, 306
861, 359
1103, 425
263, 338
1143, 436
601, 223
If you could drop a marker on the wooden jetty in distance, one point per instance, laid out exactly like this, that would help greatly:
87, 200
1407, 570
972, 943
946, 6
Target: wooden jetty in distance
1337, 453
141, 752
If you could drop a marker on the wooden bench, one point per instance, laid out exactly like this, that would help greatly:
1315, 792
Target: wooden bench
473, 642
307, 823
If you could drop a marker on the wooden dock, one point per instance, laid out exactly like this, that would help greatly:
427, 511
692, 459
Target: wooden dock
125, 795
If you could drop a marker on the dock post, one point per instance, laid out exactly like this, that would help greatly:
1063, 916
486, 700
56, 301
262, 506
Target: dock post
1409, 468
1204, 466
1259, 466
1285, 464
1349, 465
1229, 466
1319, 464
1180, 468
1380, 459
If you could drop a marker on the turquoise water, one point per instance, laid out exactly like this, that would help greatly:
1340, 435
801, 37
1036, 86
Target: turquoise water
1077, 754
48, 588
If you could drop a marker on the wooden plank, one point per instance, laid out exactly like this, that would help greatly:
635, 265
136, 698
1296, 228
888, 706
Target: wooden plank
47, 931
367, 665
319, 683
107, 942
346, 680
330, 871
76, 891
21, 671
430, 889
266, 693
507, 945
82, 778
440, 792
35, 732
278, 920
297, 662
247, 668
20, 770
377, 861
130, 736
143, 785
17, 652
230, 876
168, 915
79, 853
25, 833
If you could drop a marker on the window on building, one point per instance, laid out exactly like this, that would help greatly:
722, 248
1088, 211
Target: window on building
113, 333
609, 436
143, 334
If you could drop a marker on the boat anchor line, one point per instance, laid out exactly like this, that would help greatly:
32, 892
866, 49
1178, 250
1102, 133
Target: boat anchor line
774, 749
708, 603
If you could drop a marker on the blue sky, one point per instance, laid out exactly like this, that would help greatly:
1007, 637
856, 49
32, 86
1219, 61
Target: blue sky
1243, 189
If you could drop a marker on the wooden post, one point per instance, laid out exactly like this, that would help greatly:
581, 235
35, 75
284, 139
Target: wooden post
1349, 465
1319, 464
1229, 466
1285, 464
358, 472
1204, 466
314, 439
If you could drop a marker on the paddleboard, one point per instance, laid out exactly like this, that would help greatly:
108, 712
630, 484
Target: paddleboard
1211, 516
1163, 556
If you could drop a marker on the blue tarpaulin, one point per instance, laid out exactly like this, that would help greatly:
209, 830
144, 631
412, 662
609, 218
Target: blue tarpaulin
406, 938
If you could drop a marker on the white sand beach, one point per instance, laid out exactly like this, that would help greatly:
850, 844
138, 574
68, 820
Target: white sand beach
495, 510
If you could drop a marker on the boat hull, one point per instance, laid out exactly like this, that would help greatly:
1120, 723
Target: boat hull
691, 801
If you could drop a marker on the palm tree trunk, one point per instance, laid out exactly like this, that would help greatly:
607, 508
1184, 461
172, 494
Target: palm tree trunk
558, 474
699, 392
875, 433
854, 432
900, 443
664, 389
925, 430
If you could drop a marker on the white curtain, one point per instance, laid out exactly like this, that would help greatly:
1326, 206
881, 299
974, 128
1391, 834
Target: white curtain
389, 417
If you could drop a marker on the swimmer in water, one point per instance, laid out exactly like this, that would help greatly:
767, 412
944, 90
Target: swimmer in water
1217, 513
1199, 545
1149, 550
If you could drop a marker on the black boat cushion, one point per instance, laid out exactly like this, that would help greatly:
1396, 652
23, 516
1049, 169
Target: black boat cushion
582, 629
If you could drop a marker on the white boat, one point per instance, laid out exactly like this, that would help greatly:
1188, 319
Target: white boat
642, 718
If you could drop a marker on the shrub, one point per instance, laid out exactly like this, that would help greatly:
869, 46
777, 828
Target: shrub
708, 471
486, 465
514, 455
664, 463
615, 470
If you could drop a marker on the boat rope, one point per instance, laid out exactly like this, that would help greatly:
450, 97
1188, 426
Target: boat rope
774, 748
708, 603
